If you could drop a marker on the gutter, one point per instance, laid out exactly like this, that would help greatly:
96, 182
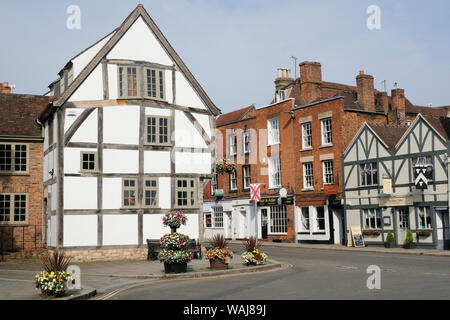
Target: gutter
317, 102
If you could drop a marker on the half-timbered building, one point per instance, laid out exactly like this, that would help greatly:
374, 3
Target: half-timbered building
396, 179
129, 138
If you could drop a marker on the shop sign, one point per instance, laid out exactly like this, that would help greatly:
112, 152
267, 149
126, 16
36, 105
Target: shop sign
275, 201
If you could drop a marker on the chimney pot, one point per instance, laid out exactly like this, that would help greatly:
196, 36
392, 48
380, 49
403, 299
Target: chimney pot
5, 88
365, 91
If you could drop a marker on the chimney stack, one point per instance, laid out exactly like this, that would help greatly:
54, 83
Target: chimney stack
310, 80
398, 102
283, 79
5, 88
383, 100
365, 91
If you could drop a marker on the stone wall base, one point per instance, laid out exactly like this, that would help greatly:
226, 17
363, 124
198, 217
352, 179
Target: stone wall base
117, 254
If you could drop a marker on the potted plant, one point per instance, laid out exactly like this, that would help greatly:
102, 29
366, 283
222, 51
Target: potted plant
52, 281
367, 232
253, 255
409, 241
174, 254
376, 232
225, 166
390, 240
219, 256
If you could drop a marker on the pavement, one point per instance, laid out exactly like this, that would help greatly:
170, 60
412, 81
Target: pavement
337, 247
101, 278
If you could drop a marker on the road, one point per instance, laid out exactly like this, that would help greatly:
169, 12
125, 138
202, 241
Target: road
314, 274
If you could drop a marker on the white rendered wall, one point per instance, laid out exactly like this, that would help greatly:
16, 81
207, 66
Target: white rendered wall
112, 81
87, 132
187, 162
157, 112
112, 193
185, 134
139, 43
72, 159
120, 161
52, 230
80, 193
186, 96
164, 193
69, 120
120, 229
91, 88
157, 161
121, 125
73, 224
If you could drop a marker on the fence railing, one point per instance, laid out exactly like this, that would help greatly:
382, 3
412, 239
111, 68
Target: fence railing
19, 238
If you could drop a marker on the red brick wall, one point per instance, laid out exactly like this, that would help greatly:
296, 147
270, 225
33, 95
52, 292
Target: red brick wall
32, 185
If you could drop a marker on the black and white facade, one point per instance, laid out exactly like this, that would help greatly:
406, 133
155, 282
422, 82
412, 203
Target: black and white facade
384, 190
129, 138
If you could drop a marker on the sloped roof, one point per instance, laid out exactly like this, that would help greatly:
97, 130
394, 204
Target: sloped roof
233, 116
440, 124
389, 134
139, 11
19, 113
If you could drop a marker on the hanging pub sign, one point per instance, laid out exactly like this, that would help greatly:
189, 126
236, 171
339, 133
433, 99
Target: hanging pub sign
422, 174
275, 201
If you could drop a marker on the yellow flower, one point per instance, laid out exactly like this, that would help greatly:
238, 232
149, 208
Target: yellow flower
52, 274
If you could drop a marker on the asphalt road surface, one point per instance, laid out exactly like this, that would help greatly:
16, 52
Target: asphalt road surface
313, 274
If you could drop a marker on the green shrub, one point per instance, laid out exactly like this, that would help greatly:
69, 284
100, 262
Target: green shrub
390, 237
409, 237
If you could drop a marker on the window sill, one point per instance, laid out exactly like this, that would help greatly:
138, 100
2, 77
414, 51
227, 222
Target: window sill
275, 188
306, 149
273, 144
158, 145
325, 146
14, 174
307, 189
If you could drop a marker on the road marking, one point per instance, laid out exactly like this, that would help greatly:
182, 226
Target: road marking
22, 280
347, 267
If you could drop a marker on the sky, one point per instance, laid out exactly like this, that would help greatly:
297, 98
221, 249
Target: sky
234, 47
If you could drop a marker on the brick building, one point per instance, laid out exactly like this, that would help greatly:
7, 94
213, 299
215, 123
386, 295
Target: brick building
21, 169
313, 122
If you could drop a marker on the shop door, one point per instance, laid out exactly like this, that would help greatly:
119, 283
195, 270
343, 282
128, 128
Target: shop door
242, 225
264, 223
446, 229
403, 224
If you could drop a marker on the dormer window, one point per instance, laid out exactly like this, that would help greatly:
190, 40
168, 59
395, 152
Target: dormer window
280, 95
130, 79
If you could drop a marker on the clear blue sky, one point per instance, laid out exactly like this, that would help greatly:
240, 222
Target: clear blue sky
234, 47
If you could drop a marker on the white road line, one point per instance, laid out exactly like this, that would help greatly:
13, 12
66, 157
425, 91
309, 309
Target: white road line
22, 280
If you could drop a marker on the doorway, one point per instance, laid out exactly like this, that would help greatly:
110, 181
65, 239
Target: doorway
264, 223
444, 231
403, 224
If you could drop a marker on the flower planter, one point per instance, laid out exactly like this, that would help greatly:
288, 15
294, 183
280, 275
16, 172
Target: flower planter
389, 245
409, 245
176, 267
218, 264
423, 233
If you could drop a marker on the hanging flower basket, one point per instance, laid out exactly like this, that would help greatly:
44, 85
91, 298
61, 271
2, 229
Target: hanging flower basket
225, 166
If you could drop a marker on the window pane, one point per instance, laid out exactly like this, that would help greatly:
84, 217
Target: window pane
132, 82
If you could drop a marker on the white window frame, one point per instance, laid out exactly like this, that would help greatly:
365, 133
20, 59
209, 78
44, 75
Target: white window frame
308, 173
151, 188
233, 180
217, 218
368, 170
317, 218
305, 223
158, 131
277, 220
274, 173
426, 213
16, 161
246, 176
214, 185
160, 92
232, 142
273, 131
306, 135
326, 172
326, 131
246, 147
375, 215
